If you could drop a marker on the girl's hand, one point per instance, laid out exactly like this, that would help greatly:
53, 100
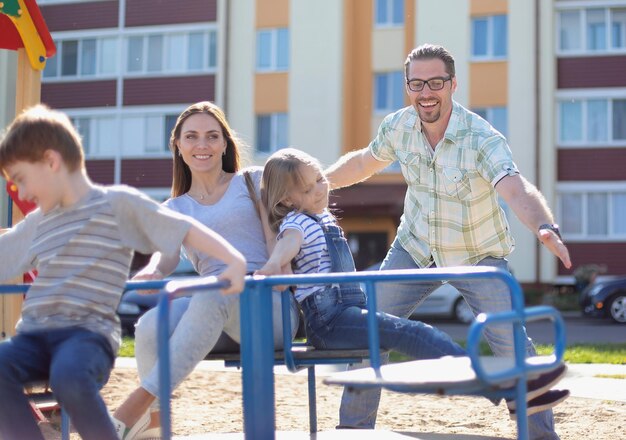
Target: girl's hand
234, 273
270, 268
274, 269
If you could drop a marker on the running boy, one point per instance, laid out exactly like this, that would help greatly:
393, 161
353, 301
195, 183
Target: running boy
81, 240
295, 193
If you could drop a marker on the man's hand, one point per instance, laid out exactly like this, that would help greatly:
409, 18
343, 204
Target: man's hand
555, 245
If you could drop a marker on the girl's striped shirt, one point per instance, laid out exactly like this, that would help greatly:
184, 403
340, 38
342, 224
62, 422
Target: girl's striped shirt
313, 256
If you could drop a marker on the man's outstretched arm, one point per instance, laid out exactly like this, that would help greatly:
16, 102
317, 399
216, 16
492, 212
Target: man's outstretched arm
531, 208
353, 167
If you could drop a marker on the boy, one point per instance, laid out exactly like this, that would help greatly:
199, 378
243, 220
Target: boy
81, 240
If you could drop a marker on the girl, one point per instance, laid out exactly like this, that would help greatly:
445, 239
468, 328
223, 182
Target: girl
295, 194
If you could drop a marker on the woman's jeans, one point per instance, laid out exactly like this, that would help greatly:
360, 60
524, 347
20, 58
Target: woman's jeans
197, 324
337, 319
358, 410
75, 362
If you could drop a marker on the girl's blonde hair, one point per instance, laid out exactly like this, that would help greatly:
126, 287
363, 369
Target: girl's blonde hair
281, 174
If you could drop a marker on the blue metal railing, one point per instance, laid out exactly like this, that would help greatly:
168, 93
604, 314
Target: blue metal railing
257, 348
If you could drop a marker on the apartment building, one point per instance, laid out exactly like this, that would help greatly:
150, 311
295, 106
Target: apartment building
590, 129
124, 70
320, 75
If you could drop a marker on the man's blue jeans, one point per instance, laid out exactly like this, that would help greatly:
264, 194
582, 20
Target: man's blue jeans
358, 410
75, 362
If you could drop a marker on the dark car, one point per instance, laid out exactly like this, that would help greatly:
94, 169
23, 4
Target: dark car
605, 299
135, 303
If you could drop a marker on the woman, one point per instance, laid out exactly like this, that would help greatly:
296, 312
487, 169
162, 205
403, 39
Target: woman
209, 186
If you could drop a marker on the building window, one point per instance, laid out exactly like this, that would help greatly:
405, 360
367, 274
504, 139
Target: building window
389, 12
271, 132
272, 50
569, 30
83, 58
148, 134
145, 132
591, 30
496, 116
489, 37
593, 215
388, 91
181, 52
83, 126
95, 132
170, 123
592, 121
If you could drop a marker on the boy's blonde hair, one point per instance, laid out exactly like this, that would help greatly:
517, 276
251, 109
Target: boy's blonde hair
281, 174
36, 130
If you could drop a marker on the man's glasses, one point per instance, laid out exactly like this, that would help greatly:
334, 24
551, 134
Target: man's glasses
416, 85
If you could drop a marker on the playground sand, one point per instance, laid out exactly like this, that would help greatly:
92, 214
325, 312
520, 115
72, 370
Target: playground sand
210, 402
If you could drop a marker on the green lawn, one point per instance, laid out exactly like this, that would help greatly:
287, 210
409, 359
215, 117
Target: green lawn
574, 354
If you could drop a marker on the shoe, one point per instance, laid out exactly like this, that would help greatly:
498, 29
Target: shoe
546, 401
132, 433
543, 383
150, 434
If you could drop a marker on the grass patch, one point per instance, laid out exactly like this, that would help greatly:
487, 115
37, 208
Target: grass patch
128, 347
611, 376
574, 354
591, 353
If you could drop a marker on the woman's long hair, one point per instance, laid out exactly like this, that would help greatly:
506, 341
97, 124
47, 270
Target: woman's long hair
181, 178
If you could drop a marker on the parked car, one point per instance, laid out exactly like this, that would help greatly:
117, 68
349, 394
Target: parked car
135, 303
605, 299
444, 302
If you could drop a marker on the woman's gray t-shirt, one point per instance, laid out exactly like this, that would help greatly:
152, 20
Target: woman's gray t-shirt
234, 217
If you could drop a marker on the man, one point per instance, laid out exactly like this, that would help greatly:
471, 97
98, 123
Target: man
456, 165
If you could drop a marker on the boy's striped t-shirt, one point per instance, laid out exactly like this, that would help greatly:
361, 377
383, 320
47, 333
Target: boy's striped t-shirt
83, 255
313, 256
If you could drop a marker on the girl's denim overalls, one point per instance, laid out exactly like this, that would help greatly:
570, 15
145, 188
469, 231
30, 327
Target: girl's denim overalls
336, 316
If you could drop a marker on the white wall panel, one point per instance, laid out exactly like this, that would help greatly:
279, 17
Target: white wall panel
241, 41
315, 78
521, 109
388, 49
446, 22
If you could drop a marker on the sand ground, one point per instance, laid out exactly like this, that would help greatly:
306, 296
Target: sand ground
210, 402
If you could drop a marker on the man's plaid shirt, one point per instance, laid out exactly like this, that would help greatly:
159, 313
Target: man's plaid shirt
451, 210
